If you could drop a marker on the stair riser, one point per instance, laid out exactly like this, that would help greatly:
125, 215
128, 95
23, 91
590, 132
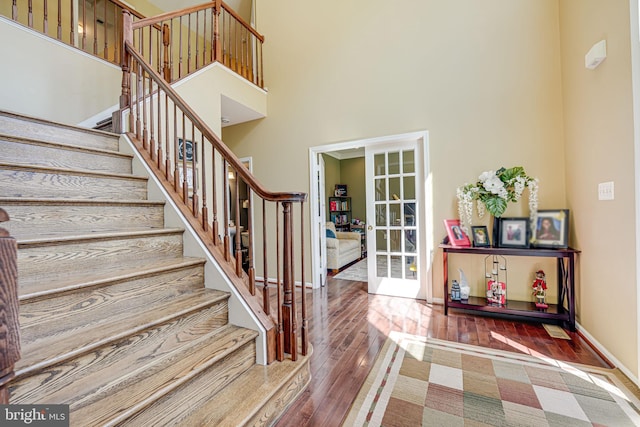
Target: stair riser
40, 262
44, 132
174, 407
43, 155
42, 184
87, 371
66, 218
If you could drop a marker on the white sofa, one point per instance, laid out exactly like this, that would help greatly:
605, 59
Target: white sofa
343, 249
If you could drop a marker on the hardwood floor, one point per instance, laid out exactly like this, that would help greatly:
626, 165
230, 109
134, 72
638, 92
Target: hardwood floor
348, 328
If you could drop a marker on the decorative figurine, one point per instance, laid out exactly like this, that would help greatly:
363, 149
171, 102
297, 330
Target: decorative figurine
540, 289
496, 292
465, 289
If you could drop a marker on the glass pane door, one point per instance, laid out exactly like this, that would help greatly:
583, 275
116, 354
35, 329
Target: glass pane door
392, 224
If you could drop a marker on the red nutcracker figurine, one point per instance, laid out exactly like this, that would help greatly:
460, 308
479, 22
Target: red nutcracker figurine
540, 289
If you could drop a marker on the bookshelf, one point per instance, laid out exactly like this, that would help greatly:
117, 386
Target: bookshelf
340, 212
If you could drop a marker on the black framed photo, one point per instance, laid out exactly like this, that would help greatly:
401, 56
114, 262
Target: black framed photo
188, 148
513, 233
552, 229
341, 190
480, 236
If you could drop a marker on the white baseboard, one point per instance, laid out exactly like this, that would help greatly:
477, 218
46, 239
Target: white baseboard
607, 354
272, 280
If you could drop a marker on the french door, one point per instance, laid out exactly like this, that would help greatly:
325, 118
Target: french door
393, 225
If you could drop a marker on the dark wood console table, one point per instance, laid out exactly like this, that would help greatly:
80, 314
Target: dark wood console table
560, 312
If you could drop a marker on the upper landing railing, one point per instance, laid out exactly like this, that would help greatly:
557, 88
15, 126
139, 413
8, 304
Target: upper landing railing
174, 43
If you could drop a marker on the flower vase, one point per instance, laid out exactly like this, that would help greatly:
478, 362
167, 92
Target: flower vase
495, 232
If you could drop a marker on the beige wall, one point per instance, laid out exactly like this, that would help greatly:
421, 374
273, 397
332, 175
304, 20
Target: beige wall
482, 77
598, 121
331, 178
49, 80
352, 174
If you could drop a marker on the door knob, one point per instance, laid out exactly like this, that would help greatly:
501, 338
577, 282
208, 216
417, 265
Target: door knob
370, 228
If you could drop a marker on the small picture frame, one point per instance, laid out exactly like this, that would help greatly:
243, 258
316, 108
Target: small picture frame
341, 190
552, 229
456, 234
188, 149
513, 233
480, 236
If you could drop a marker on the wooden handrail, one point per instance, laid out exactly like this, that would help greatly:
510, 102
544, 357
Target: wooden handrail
170, 15
9, 323
242, 21
212, 137
197, 8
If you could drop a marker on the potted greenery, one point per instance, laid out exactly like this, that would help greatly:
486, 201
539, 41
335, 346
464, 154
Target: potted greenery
493, 191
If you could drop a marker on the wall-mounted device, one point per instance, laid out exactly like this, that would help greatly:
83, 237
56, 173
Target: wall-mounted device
596, 55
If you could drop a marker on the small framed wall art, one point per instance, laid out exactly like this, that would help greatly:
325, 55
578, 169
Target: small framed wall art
513, 233
480, 236
456, 235
552, 229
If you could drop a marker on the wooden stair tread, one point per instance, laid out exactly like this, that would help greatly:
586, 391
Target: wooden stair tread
117, 356
36, 201
50, 182
26, 152
65, 171
42, 259
38, 288
37, 217
54, 239
127, 396
260, 386
148, 366
27, 126
63, 146
49, 350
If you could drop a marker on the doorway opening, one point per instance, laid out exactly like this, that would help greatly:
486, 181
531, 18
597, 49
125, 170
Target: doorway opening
381, 215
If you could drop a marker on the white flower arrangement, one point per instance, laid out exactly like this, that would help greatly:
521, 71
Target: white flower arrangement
493, 191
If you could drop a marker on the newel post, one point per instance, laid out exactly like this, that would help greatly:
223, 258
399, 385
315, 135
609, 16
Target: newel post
288, 303
217, 51
9, 324
125, 96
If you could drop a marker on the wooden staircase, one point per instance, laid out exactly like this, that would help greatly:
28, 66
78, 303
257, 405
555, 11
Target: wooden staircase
115, 321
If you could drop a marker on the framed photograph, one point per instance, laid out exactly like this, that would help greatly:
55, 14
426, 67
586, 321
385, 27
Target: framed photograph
552, 229
341, 190
513, 233
188, 149
456, 235
480, 236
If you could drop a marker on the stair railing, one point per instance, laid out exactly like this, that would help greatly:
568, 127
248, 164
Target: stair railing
94, 26
197, 36
177, 43
9, 325
194, 165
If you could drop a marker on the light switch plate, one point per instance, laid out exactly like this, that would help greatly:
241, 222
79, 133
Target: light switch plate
606, 191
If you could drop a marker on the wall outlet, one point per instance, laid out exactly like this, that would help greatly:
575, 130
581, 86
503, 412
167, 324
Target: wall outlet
605, 191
